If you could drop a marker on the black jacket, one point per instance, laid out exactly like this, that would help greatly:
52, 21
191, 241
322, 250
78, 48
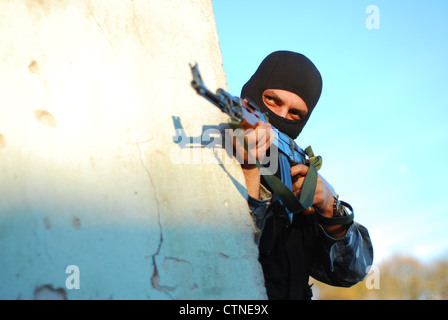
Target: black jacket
291, 252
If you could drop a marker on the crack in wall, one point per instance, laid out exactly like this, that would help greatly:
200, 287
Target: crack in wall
90, 8
134, 21
155, 279
48, 292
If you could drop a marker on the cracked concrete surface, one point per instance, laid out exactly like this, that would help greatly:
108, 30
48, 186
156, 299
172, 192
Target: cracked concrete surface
89, 93
155, 280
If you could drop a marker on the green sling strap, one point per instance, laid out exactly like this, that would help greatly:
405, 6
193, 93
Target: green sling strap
289, 200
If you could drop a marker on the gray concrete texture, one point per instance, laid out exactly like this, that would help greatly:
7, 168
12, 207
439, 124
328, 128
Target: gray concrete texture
98, 199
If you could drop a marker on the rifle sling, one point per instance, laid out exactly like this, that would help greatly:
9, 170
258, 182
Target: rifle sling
289, 200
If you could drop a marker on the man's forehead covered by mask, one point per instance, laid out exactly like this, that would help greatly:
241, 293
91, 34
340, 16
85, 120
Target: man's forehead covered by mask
289, 71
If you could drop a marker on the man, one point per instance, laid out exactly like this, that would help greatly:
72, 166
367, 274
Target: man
287, 87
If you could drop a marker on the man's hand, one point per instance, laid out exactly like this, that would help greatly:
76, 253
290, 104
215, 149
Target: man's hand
324, 198
259, 139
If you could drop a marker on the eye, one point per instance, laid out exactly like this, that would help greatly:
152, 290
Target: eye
272, 100
296, 114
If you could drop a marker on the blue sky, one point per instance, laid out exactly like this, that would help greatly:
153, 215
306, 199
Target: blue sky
380, 124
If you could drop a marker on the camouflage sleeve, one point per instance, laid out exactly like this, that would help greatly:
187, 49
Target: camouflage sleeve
344, 262
259, 211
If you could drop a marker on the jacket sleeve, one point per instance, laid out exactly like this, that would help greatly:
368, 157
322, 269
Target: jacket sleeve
345, 261
339, 262
259, 211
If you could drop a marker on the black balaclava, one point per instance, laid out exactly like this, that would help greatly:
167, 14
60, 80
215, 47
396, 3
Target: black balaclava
289, 71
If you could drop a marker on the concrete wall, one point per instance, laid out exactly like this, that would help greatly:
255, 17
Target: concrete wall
96, 193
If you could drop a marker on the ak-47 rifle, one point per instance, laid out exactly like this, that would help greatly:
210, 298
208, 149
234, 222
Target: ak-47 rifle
245, 113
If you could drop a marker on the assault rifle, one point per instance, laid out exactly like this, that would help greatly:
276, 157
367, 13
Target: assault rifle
245, 113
